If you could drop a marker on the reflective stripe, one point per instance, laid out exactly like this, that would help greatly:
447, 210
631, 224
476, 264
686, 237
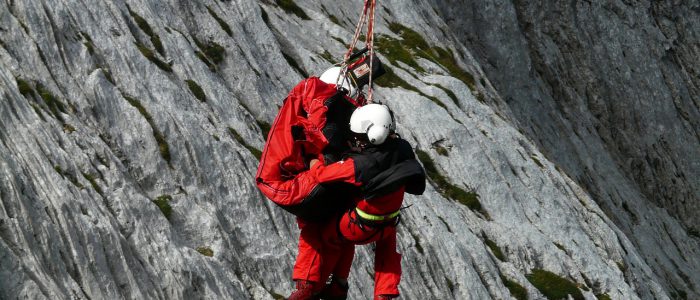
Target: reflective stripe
372, 217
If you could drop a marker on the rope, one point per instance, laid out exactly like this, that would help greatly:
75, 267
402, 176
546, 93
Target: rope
368, 9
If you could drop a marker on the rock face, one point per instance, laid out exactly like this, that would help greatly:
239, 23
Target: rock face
561, 140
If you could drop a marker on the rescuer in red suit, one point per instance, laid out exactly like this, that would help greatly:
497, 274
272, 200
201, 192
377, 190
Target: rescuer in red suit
311, 125
385, 167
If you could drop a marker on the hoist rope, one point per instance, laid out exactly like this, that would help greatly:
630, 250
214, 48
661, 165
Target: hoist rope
368, 9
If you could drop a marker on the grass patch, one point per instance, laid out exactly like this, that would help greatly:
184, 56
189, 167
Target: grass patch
68, 128
449, 93
91, 178
327, 56
494, 249
211, 50
205, 60
603, 297
25, 88
264, 127
276, 296
290, 7
148, 53
72, 178
516, 290
334, 19
163, 203
257, 153
391, 80
55, 106
196, 90
159, 137
108, 75
537, 161
412, 45
146, 28
206, 251
88, 43
295, 65
221, 22
560, 247
450, 284
445, 188
441, 150
553, 286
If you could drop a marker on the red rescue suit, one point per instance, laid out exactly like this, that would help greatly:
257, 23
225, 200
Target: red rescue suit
311, 120
386, 172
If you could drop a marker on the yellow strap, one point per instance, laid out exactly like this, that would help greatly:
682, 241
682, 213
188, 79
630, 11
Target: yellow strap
372, 217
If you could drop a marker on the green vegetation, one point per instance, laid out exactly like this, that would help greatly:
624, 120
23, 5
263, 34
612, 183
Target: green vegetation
71, 177
210, 51
24, 87
450, 285
603, 297
295, 65
334, 19
257, 153
221, 22
441, 150
148, 53
553, 286
518, 291
276, 296
196, 90
37, 110
206, 251
446, 189
449, 93
494, 249
88, 43
560, 247
68, 128
290, 7
327, 56
391, 80
163, 203
91, 178
108, 75
146, 28
537, 161
265, 127
160, 139
412, 45
52, 102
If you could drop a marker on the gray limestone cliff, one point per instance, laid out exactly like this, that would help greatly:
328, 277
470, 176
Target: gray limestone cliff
560, 138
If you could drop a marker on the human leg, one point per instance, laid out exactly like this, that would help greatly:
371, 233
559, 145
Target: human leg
387, 265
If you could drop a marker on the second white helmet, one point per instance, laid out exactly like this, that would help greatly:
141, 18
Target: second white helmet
374, 120
330, 76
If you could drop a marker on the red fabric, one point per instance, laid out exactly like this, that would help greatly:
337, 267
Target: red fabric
383, 205
337, 252
279, 174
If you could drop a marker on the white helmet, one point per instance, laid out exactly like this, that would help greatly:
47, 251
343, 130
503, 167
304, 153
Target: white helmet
374, 120
330, 76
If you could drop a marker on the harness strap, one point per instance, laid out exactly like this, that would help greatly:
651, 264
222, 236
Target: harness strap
371, 217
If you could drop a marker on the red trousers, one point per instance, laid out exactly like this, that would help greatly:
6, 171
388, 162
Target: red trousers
329, 248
